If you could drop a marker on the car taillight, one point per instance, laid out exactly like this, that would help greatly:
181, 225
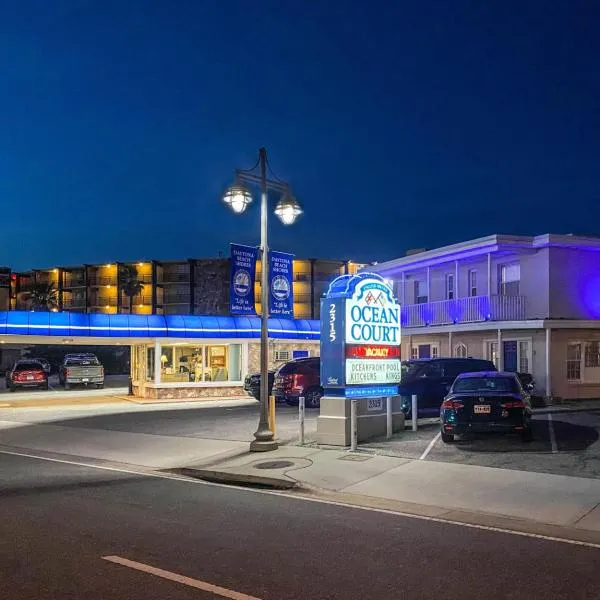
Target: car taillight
452, 404
67, 372
513, 404
38, 375
102, 371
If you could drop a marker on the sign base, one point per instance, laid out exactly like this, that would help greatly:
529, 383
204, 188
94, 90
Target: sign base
333, 423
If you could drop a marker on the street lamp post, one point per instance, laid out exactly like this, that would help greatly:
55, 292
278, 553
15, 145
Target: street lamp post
238, 197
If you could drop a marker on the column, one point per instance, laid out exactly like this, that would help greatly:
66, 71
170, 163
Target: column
489, 274
157, 361
428, 284
450, 353
500, 352
548, 364
456, 284
403, 288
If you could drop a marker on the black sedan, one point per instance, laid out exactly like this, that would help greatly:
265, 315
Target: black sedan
252, 384
484, 402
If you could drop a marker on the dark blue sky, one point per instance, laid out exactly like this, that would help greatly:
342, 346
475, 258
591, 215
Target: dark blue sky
399, 124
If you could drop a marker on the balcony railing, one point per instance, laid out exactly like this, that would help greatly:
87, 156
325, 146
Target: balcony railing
71, 283
474, 309
174, 278
100, 280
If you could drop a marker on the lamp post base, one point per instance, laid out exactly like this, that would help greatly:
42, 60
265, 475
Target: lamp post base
263, 445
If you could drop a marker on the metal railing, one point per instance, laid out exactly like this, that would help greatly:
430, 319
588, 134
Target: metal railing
464, 310
174, 278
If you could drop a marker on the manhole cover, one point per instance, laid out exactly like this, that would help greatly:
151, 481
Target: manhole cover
355, 457
274, 464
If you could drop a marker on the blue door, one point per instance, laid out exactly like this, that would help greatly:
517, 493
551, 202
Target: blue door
510, 356
424, 350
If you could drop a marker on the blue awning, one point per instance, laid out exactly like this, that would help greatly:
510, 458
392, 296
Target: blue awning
150, 326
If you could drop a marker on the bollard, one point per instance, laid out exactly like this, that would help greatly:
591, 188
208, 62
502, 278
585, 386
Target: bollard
353, 424
272, 414
388, 408
301, 419
413, 412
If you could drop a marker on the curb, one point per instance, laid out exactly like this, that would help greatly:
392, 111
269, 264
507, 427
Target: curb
563, 409
242, 479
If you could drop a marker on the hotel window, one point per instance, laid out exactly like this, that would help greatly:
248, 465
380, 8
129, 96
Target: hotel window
509, 279
192, 363
472, 283
592, 354
574, 361
524, 357
460, 351
420, 292
450, 286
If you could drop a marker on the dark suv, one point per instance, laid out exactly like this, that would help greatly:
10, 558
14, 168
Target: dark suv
298, 378
431, 378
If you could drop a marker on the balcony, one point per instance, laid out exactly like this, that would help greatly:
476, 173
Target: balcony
174, 278
98, 280
474, 309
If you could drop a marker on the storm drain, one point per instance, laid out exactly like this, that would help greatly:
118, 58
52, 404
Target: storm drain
274, 464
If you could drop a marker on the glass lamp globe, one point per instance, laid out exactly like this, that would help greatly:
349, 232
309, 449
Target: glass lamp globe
288, 209
237, 197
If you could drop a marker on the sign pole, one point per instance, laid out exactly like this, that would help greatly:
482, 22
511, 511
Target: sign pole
301, 419
413, 412
353, 424
389, 416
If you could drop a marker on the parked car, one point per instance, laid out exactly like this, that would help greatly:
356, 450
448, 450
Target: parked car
26, 373
300, 377
83, 369
482, 402
431, 378
45, 364
252, 384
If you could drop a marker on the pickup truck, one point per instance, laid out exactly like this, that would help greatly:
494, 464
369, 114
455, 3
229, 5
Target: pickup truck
83, 369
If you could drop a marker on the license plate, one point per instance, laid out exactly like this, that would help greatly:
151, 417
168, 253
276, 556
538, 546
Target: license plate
29, 377
85, 380
482, 409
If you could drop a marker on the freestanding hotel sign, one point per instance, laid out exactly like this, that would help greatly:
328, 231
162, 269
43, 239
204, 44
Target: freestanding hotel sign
360, 338
360, 360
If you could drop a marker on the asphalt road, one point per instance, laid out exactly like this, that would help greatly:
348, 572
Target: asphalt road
60, 520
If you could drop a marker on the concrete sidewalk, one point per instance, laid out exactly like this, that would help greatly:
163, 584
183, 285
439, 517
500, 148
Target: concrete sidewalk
420, 487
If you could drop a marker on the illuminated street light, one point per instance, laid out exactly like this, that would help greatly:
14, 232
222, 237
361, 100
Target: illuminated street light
238, 196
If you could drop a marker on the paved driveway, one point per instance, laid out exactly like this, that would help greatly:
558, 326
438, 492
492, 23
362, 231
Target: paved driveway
564, 443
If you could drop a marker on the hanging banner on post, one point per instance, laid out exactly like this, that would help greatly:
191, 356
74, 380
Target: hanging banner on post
243, 275
281, 273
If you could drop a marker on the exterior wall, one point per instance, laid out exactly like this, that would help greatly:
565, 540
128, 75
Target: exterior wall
181, 393
535, 283
254, 352
211, 295
561, 387
574, 283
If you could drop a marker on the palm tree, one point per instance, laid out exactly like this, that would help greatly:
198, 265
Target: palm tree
130, 283
42, 296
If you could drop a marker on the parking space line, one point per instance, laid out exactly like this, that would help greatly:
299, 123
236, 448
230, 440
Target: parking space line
430, 446
552, 434
195, 583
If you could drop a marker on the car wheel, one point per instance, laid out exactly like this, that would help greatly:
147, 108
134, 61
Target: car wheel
447, 438
313, 399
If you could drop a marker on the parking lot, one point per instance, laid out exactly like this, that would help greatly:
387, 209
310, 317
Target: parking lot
564, 443
112, 383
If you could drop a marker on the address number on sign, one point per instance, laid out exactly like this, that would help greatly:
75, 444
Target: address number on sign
374, 403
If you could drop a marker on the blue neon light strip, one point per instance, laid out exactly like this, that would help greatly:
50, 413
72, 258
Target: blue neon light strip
143, 326
371, 391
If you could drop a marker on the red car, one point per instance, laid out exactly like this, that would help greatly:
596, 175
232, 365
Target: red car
300, 377
27, 374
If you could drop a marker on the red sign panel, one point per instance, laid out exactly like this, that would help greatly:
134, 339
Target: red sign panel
372, 351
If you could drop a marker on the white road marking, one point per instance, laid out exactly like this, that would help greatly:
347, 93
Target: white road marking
552, 434
430, 446
384, 511
195, 583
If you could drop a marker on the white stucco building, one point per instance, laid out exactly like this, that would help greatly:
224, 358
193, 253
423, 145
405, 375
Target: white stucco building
530, 304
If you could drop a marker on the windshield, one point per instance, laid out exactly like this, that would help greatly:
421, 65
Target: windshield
411, 370
73, 362
28, 366
486, 384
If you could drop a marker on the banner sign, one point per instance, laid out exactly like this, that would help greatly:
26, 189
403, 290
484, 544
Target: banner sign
360, 338
243, 275
281, 274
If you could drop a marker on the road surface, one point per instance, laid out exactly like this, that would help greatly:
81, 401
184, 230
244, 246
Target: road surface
69, 531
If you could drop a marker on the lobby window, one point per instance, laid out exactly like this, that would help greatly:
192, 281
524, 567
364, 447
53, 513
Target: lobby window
472, 283
509, 279
191, 363
450, 286
574, 361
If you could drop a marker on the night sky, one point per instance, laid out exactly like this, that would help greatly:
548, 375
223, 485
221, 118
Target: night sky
399, 124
